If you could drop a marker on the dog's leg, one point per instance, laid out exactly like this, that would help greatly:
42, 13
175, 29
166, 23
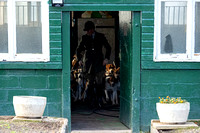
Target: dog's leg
79, 92
76, 97
106, 93
114, 97
84, 95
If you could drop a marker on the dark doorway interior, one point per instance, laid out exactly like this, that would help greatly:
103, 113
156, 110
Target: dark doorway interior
108, 25
106, 115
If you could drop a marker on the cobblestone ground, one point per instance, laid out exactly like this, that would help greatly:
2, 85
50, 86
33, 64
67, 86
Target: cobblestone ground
9, 126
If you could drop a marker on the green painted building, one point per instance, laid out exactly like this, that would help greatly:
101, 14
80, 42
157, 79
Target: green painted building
159, 54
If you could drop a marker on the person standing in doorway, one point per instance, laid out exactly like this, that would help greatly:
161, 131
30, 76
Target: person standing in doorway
94, 62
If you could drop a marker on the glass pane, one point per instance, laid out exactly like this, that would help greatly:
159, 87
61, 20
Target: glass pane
28, 27
173, 27
3, 27
197, 28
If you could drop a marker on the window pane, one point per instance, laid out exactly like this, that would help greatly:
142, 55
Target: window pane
3, 27
197, 28
28, 27
173, 27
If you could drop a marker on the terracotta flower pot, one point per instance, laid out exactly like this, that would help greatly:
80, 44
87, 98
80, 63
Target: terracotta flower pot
173, 113
29, 106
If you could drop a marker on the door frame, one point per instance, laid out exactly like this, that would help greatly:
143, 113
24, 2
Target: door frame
136, 55
136, 70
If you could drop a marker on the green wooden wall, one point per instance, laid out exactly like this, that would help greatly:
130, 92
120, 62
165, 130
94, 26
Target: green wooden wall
175, 83
161, 79
34, 83
157, 78
35, 78
110, 1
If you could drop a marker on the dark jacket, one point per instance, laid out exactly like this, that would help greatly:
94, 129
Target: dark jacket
93, 56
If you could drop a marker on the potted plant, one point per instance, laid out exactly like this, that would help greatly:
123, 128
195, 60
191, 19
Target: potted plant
29, 106
172, 110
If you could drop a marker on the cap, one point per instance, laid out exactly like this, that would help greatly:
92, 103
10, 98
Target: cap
89, 25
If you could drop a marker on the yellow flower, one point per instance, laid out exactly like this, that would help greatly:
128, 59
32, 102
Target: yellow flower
169, 100
159, 97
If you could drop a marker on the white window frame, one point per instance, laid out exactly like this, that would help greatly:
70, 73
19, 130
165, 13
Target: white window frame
189, 56
12, 54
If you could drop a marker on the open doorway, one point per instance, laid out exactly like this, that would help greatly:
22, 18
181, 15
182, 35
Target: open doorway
113, 109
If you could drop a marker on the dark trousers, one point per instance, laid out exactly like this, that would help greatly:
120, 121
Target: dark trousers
95, 91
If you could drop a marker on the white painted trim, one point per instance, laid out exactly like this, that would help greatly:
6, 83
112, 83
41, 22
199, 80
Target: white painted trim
14, 44
45, 29
190, 42
4, 57
12, 55
10, 27
157, 18
31, 57
189, 34
195, 55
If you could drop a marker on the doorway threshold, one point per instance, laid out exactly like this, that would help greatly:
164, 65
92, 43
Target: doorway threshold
96, 123
101, 131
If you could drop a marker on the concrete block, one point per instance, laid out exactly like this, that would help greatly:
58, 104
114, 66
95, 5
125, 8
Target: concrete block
157, 125
55, 82
52, 95
34, 82
18, 92
3, 95
9, 81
